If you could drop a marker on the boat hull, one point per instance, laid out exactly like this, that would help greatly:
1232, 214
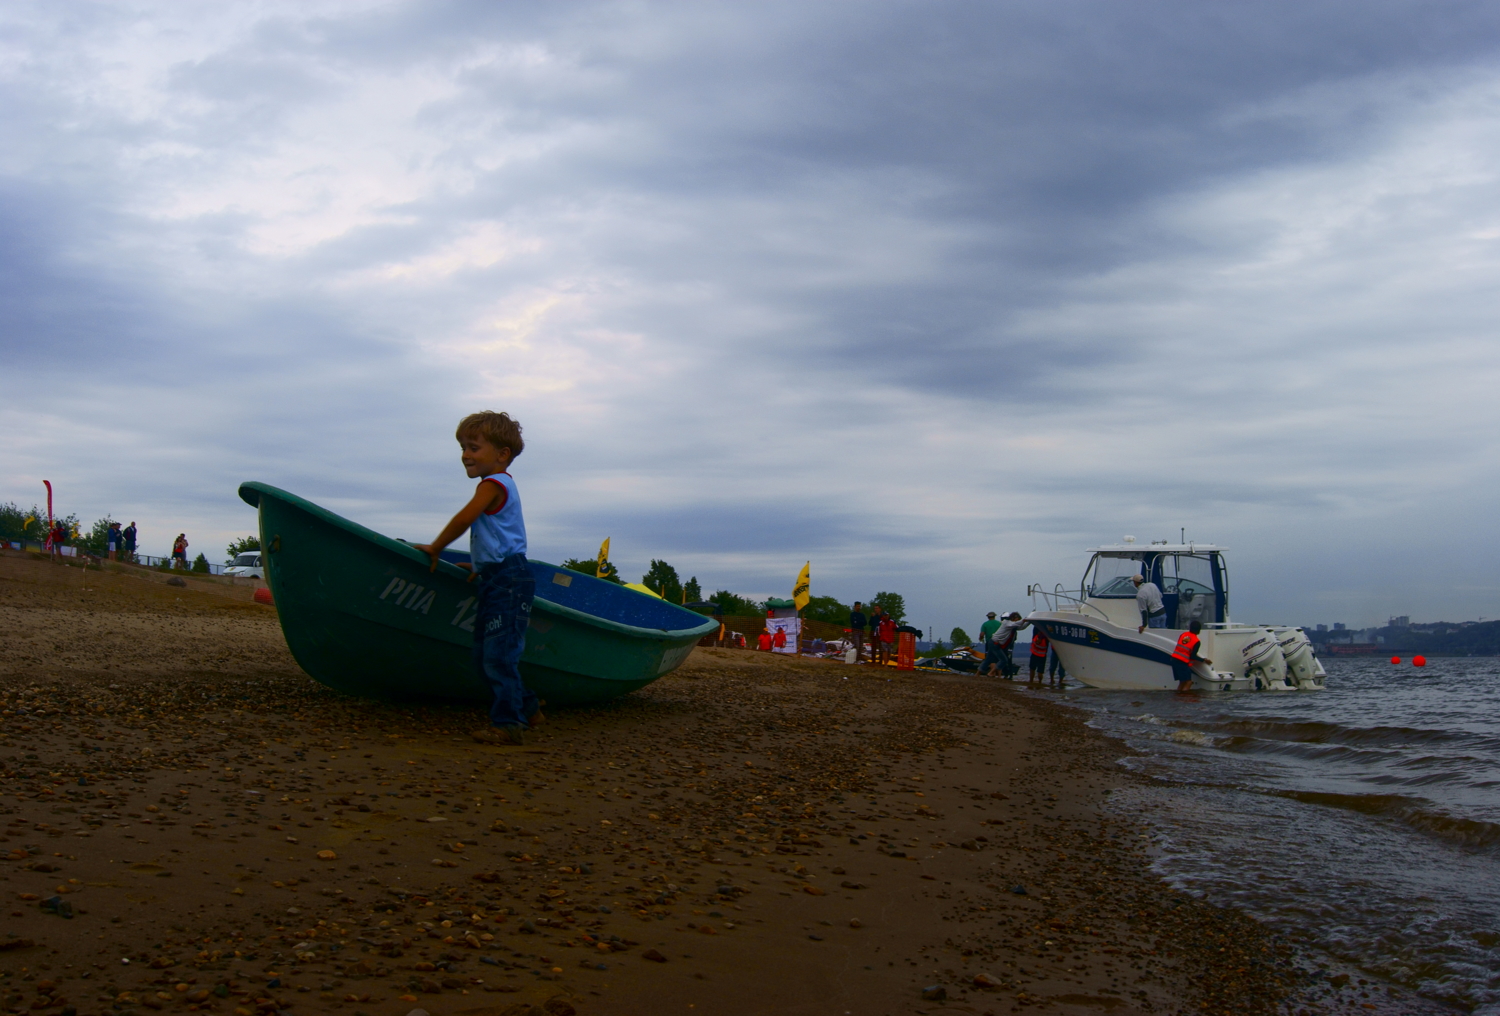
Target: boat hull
364, 614
1104, 655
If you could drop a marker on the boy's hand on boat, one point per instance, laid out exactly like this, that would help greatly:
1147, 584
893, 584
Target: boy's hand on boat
432, 552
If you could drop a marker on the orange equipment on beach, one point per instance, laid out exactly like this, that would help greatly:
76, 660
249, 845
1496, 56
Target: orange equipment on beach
906, 651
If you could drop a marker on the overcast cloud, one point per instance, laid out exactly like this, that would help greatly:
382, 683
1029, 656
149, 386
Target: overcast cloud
936, 295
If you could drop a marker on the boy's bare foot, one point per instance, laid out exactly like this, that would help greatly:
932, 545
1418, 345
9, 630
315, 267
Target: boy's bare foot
537, 719
503, 736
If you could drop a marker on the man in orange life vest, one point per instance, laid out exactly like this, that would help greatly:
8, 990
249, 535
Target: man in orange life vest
1185, 655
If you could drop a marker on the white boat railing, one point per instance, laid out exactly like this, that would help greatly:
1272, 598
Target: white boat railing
1061, 602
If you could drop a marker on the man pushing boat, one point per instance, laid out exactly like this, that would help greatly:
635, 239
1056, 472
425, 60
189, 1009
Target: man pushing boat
489, 442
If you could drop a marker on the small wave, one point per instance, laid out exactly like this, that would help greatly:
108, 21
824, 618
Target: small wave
1147, 718
1310, 751
1412, 811
1192, 737
1324, 732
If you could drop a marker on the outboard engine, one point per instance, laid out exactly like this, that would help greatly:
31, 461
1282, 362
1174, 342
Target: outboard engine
1302, 668
1264, 663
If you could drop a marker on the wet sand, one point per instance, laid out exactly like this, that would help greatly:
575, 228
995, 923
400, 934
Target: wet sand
751, 834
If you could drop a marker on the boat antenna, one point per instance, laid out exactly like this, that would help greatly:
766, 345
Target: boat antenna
1184, 535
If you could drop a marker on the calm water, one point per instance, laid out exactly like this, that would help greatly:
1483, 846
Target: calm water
1364, 820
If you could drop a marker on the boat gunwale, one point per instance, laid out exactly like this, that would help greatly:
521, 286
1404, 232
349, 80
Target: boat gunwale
453, 571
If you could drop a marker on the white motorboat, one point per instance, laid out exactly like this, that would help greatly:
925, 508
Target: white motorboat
1096, 637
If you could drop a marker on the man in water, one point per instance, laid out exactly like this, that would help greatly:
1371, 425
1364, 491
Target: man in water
1185, 655
1148, 601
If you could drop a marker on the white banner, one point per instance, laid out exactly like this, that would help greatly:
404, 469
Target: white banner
793, 628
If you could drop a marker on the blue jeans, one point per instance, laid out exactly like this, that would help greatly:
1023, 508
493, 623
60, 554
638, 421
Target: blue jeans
505, 594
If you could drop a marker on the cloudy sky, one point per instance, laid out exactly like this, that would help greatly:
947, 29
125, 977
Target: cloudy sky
936, 295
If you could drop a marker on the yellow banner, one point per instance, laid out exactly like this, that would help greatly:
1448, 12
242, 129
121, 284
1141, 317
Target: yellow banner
603, 559
800, 592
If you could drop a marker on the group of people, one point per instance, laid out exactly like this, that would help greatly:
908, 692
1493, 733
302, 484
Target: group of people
999, 638
769, 640
882, 628
120, 539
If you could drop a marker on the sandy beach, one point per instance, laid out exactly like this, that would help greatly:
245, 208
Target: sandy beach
750, 834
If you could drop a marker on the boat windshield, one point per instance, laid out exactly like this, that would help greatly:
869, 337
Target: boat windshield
1111, 577
1192, 575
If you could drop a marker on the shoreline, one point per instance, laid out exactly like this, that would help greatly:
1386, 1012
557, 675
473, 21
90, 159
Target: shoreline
752, 833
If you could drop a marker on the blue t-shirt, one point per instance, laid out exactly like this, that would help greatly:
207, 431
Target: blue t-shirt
501, 532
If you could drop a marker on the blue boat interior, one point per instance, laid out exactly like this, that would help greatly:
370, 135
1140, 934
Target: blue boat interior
597, 597
610, 601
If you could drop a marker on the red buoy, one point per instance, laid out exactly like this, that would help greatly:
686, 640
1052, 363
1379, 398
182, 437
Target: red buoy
263, 595
1395, 659
1419, 661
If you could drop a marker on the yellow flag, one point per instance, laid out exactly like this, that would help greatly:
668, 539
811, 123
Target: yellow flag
800, 593
603, 559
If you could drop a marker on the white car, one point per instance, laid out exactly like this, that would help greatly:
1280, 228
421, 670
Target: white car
246, 566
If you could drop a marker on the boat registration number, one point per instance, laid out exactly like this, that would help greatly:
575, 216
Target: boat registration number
1071, 631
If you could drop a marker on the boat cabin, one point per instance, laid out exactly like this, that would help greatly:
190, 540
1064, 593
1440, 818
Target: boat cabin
1193, 580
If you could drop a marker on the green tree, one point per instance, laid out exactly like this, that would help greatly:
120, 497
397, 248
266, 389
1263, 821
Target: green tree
959, 637
13, 522
200, 564
238, 547
16, 523
590, 566
828, 610
732, 603
692, 590
662, 578
893, 604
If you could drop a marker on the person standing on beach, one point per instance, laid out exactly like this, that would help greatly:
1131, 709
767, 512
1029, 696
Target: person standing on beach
1185, 655
488, 443
887, 635
763, 641
857, 622
129, 535
1148, 601
874, 633
112, 540
179, 551
1039, 647
991, 653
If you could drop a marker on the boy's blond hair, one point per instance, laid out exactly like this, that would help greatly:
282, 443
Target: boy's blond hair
496, 428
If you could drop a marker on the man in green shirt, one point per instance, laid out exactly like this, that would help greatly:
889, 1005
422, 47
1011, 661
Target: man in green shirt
991, 657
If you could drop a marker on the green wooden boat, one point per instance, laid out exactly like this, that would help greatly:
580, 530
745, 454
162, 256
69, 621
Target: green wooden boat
363, 614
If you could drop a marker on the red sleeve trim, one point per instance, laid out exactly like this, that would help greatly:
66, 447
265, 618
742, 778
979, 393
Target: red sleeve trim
504, 495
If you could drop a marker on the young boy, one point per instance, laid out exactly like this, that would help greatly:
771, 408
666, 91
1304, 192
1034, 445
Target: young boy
489, 442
